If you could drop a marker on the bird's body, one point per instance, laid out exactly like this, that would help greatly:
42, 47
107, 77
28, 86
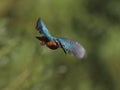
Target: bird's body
50, 44
68, 46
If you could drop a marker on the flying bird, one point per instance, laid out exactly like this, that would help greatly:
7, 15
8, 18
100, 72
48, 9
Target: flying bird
68, 46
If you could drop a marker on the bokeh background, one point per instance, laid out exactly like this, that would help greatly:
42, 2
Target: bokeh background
26, 65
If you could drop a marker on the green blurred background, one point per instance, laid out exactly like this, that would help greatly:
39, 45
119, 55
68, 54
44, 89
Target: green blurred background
26, 65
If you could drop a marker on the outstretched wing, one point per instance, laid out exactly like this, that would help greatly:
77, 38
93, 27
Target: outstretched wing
40, 26
72, 47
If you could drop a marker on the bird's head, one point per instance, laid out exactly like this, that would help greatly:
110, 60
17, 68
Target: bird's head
43, 39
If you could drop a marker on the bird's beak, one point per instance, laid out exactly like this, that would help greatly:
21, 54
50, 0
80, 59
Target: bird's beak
39, 38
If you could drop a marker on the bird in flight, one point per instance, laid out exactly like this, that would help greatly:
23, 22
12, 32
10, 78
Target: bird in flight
68, 46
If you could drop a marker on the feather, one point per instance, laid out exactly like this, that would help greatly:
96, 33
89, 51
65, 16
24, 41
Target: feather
40, 26
72, 47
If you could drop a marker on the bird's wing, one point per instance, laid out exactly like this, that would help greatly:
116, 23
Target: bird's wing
40, 26
62, 46
72, 47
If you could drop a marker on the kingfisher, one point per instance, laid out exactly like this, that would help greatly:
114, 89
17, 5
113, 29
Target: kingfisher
68, 46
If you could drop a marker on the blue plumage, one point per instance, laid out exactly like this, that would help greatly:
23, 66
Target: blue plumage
72, 47
68, 46
43, 29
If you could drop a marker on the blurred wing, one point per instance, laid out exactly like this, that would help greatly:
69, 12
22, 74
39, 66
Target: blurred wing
40, 26
72, 47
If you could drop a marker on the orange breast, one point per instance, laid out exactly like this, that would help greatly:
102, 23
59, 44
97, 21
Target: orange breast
52, 45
